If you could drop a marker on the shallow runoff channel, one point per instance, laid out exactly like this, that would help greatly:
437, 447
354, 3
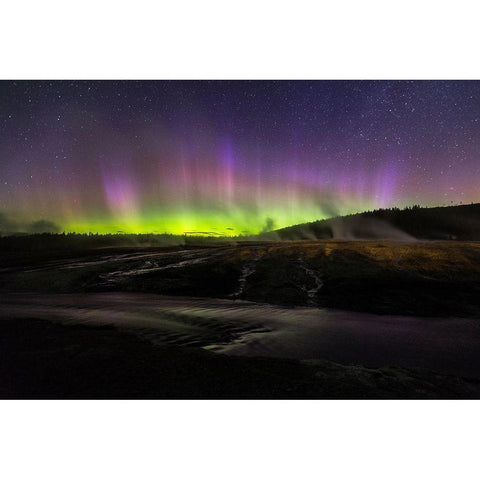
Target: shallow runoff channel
445, 345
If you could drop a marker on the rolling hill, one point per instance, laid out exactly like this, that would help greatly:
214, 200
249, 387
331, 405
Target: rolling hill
460, 222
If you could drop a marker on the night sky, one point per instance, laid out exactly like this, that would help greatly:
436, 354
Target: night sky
230, 157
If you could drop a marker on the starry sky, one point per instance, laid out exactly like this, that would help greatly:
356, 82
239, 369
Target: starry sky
230, 157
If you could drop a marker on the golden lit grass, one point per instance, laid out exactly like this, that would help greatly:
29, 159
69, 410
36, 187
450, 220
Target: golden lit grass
440, 259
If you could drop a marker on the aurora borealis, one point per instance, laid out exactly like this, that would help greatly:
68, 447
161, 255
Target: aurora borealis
231, 157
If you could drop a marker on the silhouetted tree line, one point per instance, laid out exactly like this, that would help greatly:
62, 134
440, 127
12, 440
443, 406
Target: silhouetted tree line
460, 222
85, 241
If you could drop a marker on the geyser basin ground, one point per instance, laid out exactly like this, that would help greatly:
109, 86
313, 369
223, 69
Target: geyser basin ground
428, 279
270, 299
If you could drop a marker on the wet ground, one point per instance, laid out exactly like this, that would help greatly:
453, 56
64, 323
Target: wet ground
358, 305
243, 328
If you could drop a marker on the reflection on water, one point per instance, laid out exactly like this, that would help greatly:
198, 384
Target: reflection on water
243, 328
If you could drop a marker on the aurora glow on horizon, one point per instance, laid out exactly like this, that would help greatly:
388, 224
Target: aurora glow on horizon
231, 157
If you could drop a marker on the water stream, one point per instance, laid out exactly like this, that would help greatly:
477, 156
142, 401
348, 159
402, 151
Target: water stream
236, 327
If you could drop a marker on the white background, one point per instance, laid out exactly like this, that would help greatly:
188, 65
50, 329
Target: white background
207, 39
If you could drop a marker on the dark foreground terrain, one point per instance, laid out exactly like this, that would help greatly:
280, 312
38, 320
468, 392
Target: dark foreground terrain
415, 357
40, 360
